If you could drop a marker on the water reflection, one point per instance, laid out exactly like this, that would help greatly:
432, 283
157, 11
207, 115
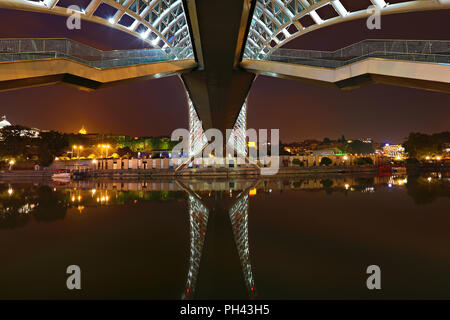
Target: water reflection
46, 201
426, 189
198, 218
23, 203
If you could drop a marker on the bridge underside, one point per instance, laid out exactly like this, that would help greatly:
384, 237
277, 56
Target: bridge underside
218, 88
219, 34
23, 74
421, 75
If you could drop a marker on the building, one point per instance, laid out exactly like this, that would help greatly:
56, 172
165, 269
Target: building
327, 152
394, 151
4, 122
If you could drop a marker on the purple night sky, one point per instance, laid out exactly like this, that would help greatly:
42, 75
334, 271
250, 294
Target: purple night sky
299, 110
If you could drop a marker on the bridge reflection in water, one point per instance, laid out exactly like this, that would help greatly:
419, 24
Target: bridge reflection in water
198, 218
218, 260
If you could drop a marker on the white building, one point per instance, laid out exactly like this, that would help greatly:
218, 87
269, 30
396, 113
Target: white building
393, 150
4, 122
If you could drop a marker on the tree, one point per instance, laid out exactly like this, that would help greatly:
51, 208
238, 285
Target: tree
325, 161
419, 145
327, 183
14, 141
326, 141
359, 147
51, 144
363, 160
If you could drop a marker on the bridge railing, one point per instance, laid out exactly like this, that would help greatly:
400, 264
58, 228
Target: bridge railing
35, 49
435, 51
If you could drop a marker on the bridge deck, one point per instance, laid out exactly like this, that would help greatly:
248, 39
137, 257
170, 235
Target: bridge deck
419, 64
32, 62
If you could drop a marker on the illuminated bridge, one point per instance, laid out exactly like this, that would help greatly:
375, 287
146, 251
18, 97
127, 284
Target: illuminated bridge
217, 48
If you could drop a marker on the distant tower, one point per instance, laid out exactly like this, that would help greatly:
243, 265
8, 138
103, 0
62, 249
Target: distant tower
82, 130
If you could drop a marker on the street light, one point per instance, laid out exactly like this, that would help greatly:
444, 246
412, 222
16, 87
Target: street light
78, 148
101, 150
107, 147
11, 163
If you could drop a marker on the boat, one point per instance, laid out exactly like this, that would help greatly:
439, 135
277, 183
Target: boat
61, 175
384, 170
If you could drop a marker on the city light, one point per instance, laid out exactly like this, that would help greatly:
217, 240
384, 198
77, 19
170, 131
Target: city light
427, 158
11, 163
10, 191
438, 158
78, 149
155, 41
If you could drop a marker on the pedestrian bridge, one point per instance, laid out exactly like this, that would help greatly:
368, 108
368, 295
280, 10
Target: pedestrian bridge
33, 62
225, 54
419, 64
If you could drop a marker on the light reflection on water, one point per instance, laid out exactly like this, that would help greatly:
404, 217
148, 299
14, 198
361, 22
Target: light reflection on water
296, 237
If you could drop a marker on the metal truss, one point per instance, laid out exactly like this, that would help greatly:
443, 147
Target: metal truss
239, 221
198, 221
160, 23
238, 136
197, 137
275, 22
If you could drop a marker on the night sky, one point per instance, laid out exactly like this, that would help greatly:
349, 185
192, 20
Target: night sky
299, 110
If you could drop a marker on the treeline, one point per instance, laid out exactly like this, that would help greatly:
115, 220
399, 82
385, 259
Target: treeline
21, 144
419, 145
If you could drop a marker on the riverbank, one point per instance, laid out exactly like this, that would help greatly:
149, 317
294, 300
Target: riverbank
205, 172
210, 172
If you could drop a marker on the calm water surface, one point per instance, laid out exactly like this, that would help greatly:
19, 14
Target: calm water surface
278, 238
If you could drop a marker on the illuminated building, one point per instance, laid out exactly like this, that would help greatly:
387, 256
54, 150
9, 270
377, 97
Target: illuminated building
394, 151
82, 130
